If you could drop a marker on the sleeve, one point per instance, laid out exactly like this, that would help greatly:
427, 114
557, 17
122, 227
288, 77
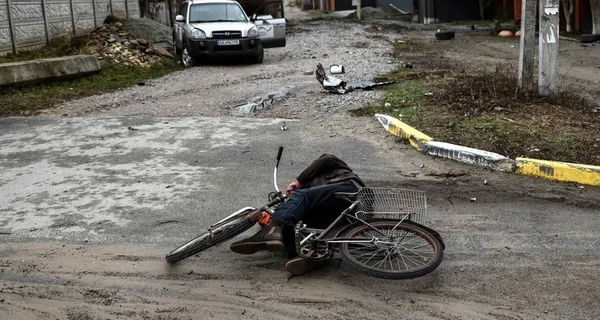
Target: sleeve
323, 164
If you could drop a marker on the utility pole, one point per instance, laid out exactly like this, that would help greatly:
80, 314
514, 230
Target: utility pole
358, 9
548, 48
527, 47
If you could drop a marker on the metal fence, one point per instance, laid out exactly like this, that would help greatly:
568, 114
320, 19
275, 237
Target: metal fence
31, 24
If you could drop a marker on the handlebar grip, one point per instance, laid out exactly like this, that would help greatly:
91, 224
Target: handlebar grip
279, 153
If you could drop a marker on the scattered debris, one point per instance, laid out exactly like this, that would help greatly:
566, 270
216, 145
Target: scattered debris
428, 94
258, 103
336, 85
485, 182
131, 128
397, 9
505, 34
445, 35
167, 221
283, 126
473, 199
337, 69
408, 66
308, 72
111, 42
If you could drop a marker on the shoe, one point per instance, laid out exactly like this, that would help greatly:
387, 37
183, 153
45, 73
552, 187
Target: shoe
298, 266
262, 218
268, 238
255, 216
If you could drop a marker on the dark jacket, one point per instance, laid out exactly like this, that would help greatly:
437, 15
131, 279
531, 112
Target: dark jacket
327, 169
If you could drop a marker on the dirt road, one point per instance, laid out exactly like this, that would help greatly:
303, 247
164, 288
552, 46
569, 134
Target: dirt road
90, 205
509, 256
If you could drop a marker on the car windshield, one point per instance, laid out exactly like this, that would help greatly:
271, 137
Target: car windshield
216, 12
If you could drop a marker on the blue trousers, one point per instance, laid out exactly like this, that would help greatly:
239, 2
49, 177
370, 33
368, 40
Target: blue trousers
316, 206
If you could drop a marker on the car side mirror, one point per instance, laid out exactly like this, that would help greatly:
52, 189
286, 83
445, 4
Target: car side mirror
179, 18
253, 17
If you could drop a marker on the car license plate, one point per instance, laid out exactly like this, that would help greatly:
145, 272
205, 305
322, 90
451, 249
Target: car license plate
228, 42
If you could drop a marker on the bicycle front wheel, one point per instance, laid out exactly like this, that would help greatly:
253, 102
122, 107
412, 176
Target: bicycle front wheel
399, 251
210, 239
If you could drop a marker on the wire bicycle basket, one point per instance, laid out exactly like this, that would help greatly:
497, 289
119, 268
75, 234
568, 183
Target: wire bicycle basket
392, 203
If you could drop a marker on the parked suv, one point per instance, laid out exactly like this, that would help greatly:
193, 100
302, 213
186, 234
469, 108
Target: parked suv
208, 28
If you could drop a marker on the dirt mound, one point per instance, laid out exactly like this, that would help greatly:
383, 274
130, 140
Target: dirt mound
149, 30
113, 41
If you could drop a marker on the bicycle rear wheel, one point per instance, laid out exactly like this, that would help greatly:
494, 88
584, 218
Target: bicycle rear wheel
401, 251
209, 239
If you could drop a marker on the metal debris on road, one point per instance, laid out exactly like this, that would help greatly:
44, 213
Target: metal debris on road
336, 85
258, 103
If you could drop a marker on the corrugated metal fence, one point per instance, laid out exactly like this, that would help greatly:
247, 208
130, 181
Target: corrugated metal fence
30, 24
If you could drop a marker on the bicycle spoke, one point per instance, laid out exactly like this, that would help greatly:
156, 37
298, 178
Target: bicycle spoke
409, 252
394, 250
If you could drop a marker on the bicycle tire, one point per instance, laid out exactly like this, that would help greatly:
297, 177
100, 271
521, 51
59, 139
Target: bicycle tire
349, 251
210, 239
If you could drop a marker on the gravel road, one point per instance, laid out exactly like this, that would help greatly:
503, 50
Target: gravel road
214, 90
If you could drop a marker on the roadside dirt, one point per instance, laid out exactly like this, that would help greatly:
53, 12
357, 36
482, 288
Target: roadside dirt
500, 263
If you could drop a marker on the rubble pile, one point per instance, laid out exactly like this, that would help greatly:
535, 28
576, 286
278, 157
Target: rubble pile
112, 42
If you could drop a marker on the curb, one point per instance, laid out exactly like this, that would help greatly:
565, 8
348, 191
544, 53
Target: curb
400, 129
470, 156
560, 171
553, 170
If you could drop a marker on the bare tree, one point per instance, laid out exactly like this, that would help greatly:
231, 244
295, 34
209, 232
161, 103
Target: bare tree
569, 10
595, 16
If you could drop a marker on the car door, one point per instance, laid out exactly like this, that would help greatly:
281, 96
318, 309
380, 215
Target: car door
270, 21
178, 25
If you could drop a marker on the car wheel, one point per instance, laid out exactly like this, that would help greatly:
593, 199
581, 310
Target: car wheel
261, 54
445, 35
187, 60
589, 38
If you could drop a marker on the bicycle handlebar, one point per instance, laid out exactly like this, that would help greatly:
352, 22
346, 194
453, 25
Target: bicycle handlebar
279, 154
275, 170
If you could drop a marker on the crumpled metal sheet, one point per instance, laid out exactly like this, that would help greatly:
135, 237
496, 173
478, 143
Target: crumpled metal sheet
258, 103
336, 85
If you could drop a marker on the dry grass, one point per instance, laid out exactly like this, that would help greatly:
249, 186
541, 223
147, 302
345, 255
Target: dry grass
488, 110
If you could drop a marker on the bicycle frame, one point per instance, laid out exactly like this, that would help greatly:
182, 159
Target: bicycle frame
345, 214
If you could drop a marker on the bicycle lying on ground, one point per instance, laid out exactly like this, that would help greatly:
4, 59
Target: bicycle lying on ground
380, 233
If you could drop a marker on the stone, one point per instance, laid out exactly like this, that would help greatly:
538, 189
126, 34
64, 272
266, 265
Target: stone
162, 51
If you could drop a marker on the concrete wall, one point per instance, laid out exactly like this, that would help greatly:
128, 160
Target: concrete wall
32, 23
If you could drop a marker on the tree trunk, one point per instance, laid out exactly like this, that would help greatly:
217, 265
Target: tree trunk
595, 16
569, 10
483, 4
